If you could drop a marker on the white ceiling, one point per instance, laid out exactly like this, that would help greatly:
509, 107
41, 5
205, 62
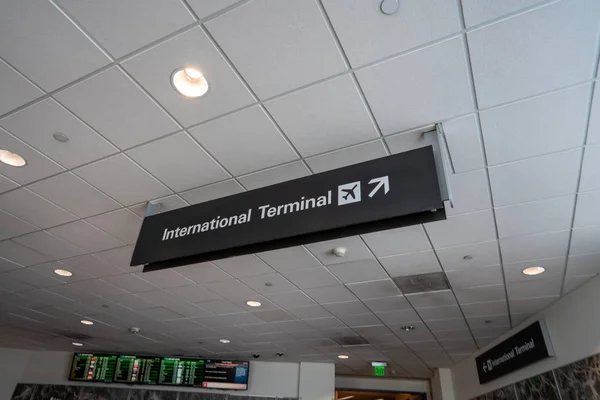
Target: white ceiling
297, 87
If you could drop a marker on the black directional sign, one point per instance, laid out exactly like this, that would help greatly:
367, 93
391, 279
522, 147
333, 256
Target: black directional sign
386, 193
523, 348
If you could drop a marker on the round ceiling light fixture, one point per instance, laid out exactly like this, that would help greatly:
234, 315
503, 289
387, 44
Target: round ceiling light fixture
253, 303
77, 344
12, 159
343, 356
63, 272
60, 137
87, 322
225, 341
531, 271
189, 82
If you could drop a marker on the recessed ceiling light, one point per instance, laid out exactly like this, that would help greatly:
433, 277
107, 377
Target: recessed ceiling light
343, 356
189, 82
12, 159
225, 341
77, 344
253, 303
60, 137
534, 270
63, 272
87, 322
407, 328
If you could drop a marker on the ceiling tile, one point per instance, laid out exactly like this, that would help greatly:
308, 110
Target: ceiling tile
204, 8
32, 277
98, 287
48, 269
274, 316
483, 309
555, 269
464, 144
7, 184
274, 175
184, 174
347, 156
358, 271
593, 135
590, 177
7, 265
480, 294
324, 323
391, 303
122, 224
212, 192
531, 305
547, 59
21, 90
160, 314
244, 266
253, 133
536, 217
588, 264
86, 236
470, 192
269, 283
37, 124
411, 264
434, 313
399, 317
293, 299
25, 204
333, 116
38, 166
539, 288
360, 320
130, 283
136, 24
431, 299
52, 39
129, 184
119, 110
480, 255
347, 308
311, 278
204, 273
49, 245
289, 259
585, 214
74, 195
193, 293
398, 90
330, 294
166, 278
442, 328
489, 322
361, 24
542, 125
534, 247
279, 40
572, 283
478, 11
19, 254
356, 250
479, 276
232, 290
190, 49
535, 179
585, 241
220, 307
91, 265
119, 257
306, 312
374, 289
397, 241
462, 229
11, 226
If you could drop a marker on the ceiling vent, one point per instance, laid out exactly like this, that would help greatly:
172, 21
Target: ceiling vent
350, 341
74, 335
422, 283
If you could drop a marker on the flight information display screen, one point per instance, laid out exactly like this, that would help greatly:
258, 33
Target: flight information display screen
226, 375
135, 369
93, 367
181, 371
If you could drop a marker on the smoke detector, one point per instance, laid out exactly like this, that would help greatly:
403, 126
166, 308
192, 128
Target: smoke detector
134, 330
389, 7
339, 251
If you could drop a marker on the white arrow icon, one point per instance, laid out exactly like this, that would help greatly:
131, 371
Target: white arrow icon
381, 181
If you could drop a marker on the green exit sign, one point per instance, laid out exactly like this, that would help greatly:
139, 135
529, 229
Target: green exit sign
378, 370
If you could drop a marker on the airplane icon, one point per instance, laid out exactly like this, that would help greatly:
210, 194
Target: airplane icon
349, 193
